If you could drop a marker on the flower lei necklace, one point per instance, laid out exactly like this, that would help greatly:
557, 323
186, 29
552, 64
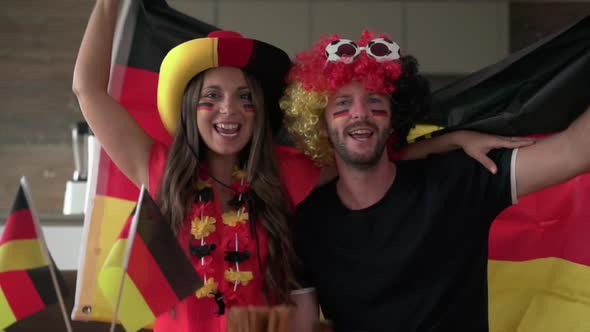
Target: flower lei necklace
205, 220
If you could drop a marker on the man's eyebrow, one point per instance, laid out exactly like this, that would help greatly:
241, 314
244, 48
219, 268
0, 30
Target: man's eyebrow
373, 94
345, 95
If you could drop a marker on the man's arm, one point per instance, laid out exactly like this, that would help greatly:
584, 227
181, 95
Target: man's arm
555, 159
307, 313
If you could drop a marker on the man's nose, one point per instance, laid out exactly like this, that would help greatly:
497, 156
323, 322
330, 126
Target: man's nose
359, 110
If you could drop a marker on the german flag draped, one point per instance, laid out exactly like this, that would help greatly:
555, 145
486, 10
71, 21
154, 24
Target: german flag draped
539, 253
146, 270
26, 286
150, 29
538, 90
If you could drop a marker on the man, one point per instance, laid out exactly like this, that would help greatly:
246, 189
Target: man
399, 246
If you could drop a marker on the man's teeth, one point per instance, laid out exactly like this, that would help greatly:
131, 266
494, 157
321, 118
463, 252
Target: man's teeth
361, 132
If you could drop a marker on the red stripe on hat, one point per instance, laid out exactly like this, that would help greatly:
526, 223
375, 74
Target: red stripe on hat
154, 287
21, 294
234, 52
19, 226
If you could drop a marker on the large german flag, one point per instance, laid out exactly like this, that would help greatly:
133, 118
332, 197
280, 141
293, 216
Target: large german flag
150, 29
26, 286
539, 253
540, 89
146, 272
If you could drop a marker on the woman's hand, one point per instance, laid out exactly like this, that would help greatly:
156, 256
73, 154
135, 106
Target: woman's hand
109, 120
477, 145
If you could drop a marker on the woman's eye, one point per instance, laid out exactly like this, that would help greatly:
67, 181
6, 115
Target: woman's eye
210, 95
374, 100
342, 103
246, 96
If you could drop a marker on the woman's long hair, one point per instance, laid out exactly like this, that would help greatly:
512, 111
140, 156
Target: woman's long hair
270, 208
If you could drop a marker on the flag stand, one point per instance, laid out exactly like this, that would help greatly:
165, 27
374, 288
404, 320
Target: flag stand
45, 251
131, 237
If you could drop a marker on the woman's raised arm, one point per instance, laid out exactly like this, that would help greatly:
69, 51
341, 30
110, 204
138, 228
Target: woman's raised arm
119, 134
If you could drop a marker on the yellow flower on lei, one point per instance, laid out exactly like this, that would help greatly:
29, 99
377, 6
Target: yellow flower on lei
243, 277
231, 218
239, 173
201, 228
202, 185
207, 290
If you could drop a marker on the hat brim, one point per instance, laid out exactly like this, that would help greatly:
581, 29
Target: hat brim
267, 63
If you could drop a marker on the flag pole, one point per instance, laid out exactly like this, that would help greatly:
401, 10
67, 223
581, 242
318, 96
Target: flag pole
130, 238
124, 8
45, 251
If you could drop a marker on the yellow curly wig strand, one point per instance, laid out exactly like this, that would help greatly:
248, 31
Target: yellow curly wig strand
303, 119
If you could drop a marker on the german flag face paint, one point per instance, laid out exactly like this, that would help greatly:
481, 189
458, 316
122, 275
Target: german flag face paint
340, 114
249, 108
379, 113
360, 101
205, 107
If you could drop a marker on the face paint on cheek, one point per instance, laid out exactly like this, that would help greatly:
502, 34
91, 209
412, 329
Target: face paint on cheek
205, 107
249, 108
382, 113
340, 114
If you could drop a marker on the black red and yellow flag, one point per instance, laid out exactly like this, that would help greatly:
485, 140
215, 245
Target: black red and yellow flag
150, 29
26, 286
146, 272
539, 253
540, 89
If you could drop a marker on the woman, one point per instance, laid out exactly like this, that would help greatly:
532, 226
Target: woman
218, 183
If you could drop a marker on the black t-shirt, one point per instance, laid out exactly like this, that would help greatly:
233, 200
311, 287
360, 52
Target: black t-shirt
414, 261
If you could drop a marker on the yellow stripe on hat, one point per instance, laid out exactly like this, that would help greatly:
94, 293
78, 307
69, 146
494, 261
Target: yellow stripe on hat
134, 312
18, 255
179, 66
6, 315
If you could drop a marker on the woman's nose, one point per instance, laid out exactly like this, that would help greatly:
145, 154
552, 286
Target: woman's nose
227, 106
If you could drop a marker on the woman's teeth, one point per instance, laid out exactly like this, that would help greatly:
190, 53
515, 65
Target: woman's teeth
227, 129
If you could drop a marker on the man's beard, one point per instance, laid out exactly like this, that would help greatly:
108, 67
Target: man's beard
361, 161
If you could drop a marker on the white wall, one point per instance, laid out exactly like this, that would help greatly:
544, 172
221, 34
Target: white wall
447, 37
